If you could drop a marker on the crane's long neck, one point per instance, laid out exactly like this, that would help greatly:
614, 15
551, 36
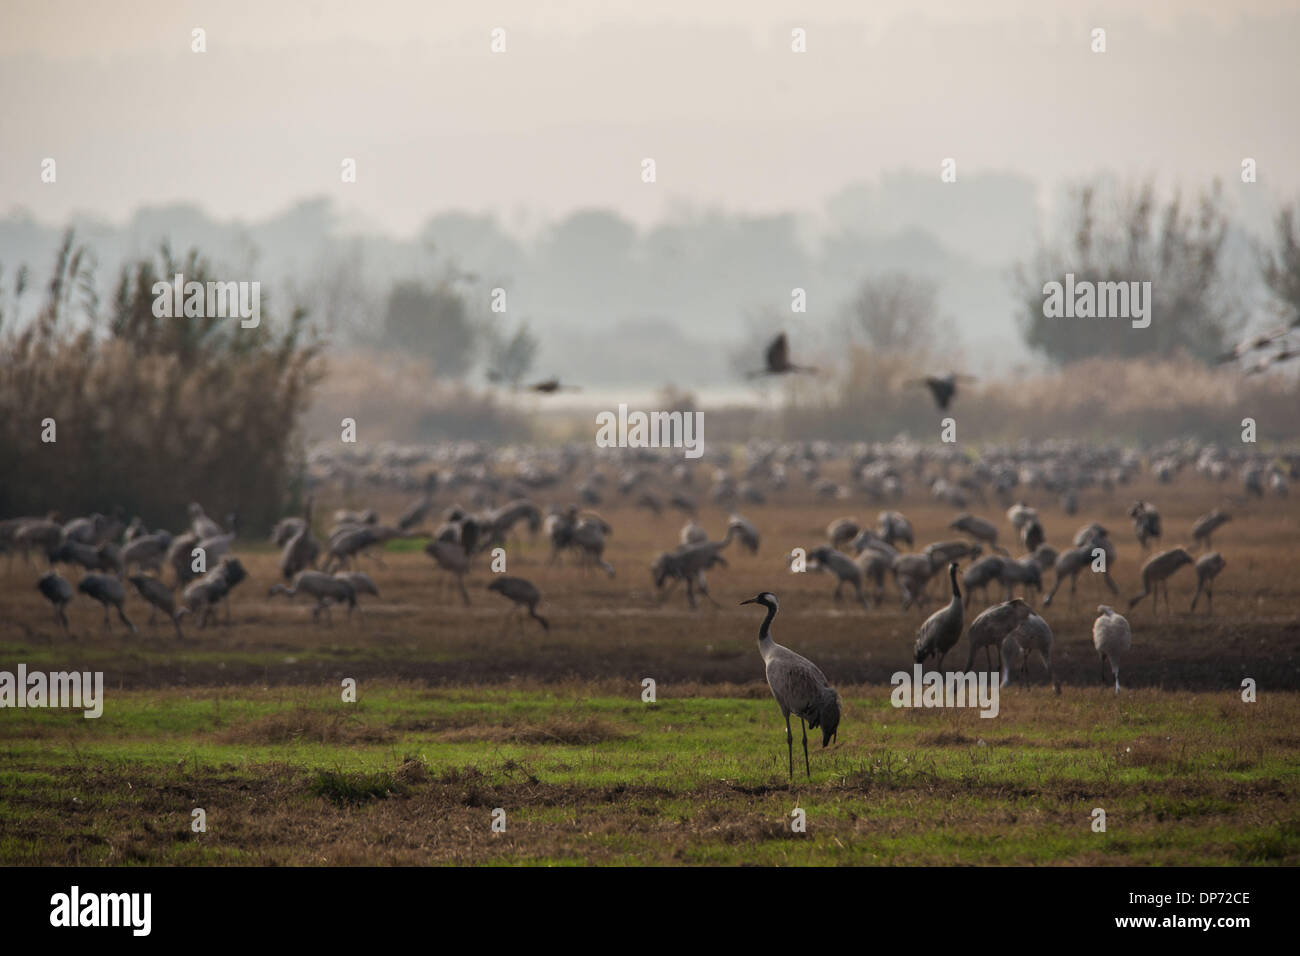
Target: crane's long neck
765, 629
956, 591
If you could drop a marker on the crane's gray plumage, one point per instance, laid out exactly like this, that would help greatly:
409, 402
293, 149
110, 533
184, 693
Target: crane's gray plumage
106, 590
1156, 572
325, 588
159, 597
1207, 569
942, 629
523, 593
991, 628
799, 686
58, 592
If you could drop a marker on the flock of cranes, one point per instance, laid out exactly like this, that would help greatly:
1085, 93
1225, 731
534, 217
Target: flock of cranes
468, 500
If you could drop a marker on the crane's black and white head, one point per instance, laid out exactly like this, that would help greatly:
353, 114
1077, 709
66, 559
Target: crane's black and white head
765, 598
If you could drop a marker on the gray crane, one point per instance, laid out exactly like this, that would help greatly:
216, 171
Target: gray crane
147, 551
58, 592
777, 359
1146, 522
688, 564
450, 556
107, 590
159, 597
1156, 572
523, 593
844, 568
743, 530
942, 629
981, 530
1033, 635
991, 628
799, 686
1207, 524
325, 588
1207, 569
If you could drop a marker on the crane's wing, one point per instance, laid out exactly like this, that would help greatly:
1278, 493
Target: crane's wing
796, 682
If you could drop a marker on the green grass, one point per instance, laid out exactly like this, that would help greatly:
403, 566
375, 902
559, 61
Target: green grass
410, 774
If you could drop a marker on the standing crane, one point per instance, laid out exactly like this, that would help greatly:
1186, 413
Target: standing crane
942, 629
799, 686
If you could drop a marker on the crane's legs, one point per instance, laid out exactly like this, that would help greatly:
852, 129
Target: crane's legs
806, 765
789, 745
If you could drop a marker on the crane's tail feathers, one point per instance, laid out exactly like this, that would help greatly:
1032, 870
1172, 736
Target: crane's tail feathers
828, 715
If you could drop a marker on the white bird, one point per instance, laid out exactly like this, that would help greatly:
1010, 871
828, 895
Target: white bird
799, 686
1112, 637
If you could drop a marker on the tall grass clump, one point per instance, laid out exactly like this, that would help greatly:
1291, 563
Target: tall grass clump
149, 413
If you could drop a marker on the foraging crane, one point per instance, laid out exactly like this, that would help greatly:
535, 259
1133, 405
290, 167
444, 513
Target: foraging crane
777, 359
450, 556
523, 593
419, 509
212, 589
1156, 572
688, 564
159, 597
1032, 635
56, 589
981, 574
745, 531
991, 627
981, 530
912, 573
1112, 637
107, 590
325, 588
894, 527
147, 551
1207, 569
942, 629
1207, 524
841, 531
844, 568
799, 686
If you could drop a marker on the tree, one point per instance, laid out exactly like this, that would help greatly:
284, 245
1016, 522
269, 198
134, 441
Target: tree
433, 322
510, 358
1131, 238
895, 312
1281, 267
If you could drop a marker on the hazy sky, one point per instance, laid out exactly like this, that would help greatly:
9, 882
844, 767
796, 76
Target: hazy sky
586, 90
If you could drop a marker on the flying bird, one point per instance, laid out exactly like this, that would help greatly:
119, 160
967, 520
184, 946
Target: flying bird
552, 385
778, 359
942, 387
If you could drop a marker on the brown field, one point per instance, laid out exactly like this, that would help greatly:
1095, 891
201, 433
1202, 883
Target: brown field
461, 711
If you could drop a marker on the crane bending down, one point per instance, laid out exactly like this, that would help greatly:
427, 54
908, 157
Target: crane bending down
799, 686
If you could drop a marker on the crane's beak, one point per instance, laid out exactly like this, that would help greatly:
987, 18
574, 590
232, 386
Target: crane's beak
750, 601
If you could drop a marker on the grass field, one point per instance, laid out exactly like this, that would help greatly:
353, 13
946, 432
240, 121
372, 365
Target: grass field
460, 712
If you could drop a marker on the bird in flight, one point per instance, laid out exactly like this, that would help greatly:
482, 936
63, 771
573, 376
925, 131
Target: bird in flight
942, 387
551, 386
778, 359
